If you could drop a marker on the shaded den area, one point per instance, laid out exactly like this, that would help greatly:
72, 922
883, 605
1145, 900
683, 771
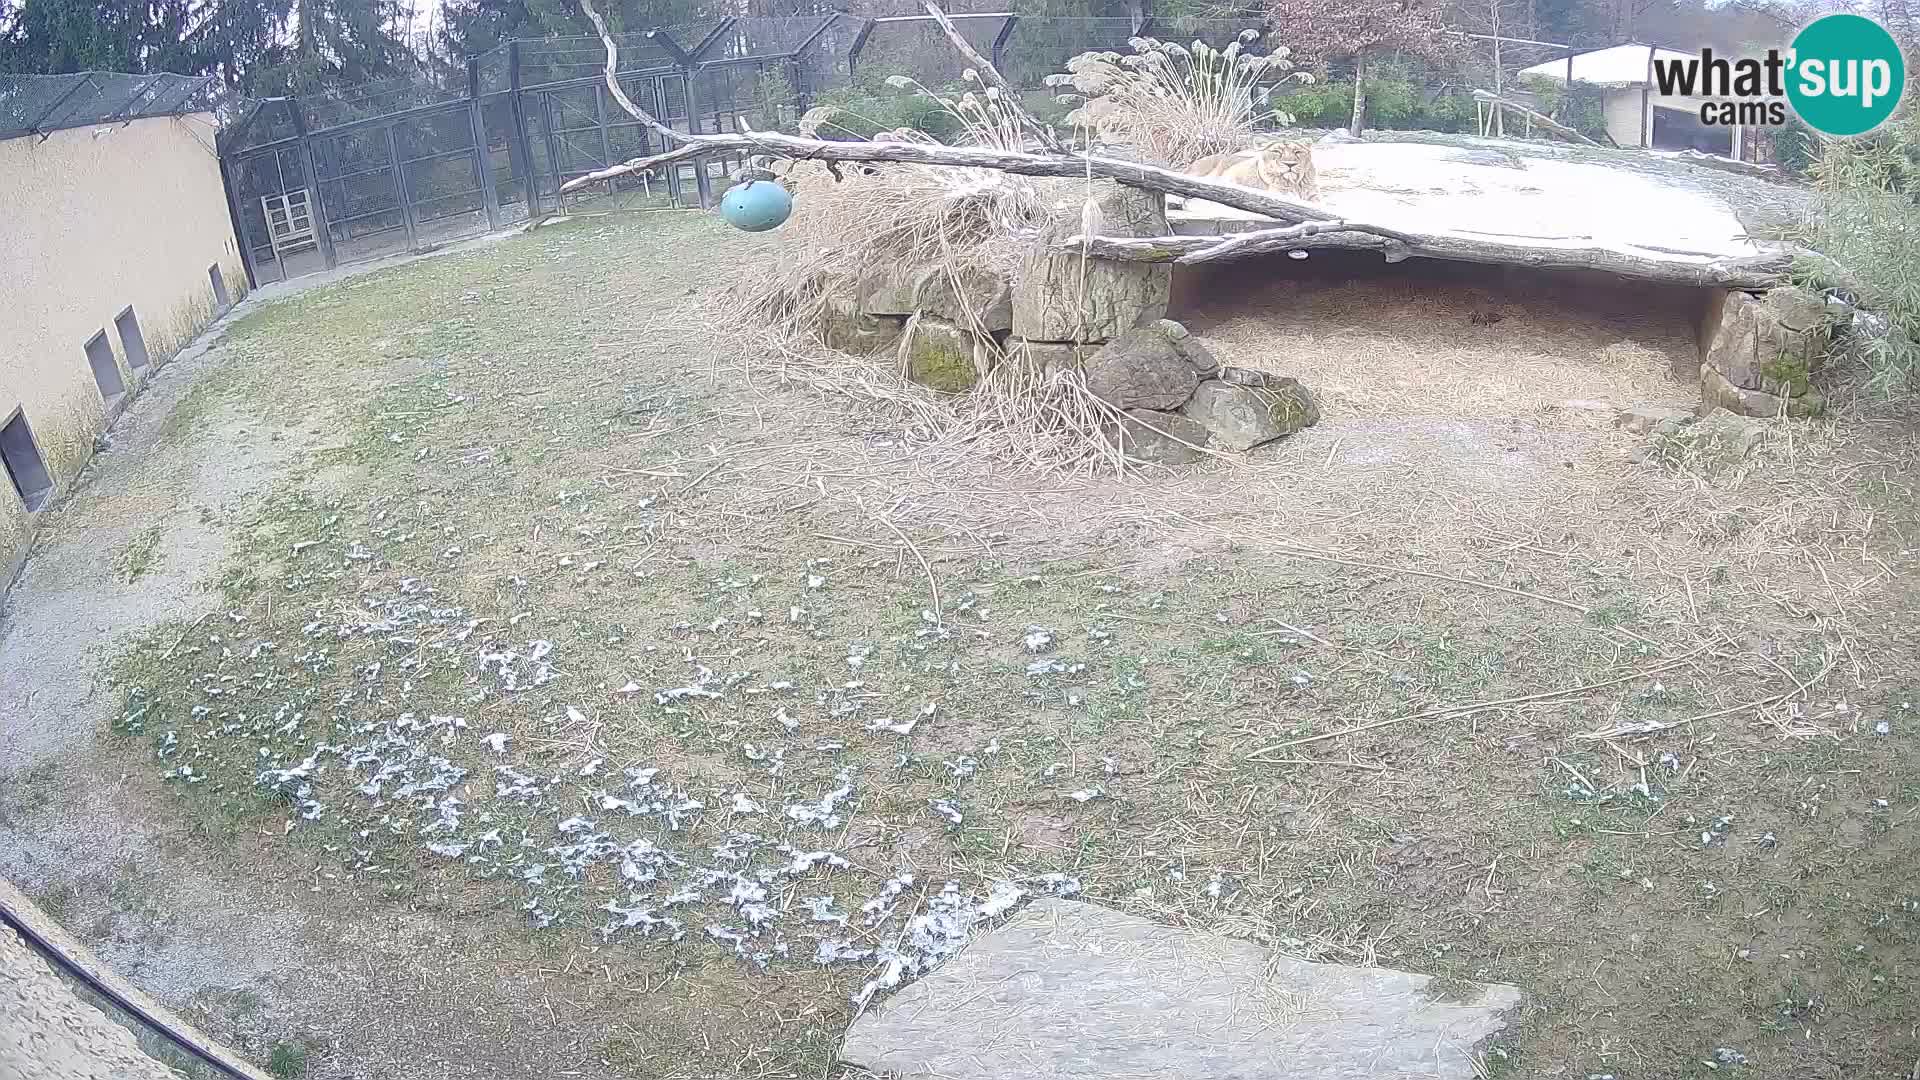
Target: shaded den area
1430, 338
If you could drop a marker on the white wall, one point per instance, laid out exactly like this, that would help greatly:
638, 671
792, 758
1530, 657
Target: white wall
92, 220
1622, 110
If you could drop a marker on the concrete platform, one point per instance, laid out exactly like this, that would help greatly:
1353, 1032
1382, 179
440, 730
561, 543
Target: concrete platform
1070, 989
1504, 194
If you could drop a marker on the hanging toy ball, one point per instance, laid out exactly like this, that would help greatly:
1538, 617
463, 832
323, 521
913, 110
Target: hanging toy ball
756, 206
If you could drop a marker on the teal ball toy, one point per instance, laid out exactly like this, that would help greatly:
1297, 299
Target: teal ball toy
756, 206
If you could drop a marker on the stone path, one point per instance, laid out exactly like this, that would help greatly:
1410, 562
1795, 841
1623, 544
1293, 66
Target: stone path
1070, 989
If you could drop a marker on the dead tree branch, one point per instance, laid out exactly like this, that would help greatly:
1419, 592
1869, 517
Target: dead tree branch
680, 153
1756, 272
990, 76
1304, 225
1540, 119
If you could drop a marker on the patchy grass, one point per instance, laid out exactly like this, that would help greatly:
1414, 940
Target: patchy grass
136, 558
56, 900
27, 793
1546, 729
287, 1060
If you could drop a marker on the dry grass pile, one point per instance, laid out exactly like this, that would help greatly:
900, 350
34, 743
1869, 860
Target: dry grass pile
1173, 103
1044, 421
851, 224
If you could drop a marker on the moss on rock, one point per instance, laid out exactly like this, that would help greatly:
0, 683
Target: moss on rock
1785, 374
940, 357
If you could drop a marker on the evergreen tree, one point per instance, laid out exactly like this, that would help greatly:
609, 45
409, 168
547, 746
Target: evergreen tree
275, 47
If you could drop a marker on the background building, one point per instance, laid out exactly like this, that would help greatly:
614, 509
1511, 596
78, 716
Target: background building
115, 249
1636, 113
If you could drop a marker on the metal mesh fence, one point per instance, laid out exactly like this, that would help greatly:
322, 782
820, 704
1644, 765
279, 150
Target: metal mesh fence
1039, 47
764, 38
369, 100
38, 104
407, 164
568, 59
918, 49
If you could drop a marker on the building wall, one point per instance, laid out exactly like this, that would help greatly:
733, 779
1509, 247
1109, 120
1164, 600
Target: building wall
1621, 107
92, 220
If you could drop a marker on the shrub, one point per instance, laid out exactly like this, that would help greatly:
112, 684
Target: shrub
774, 94
1391, 103
1795, 147
1868, 223
1174, 103
867, 107
1579, 109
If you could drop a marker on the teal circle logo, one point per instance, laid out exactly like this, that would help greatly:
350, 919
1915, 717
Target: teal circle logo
1845, 75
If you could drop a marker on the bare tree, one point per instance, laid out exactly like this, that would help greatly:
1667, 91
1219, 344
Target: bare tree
1298, 225
1362, 29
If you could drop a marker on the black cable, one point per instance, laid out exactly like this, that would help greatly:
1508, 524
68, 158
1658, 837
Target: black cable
47, 949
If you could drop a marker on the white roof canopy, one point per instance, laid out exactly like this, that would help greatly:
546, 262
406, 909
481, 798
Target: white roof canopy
1621, 65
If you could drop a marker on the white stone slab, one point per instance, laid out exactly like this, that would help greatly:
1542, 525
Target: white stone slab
1069, 989
1472, 191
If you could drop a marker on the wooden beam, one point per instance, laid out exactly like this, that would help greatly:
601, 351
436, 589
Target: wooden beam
1756, 272
1542, 119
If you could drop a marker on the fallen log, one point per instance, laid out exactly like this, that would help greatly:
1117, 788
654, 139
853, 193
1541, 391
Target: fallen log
1539, 119
1755, 272
1331, 231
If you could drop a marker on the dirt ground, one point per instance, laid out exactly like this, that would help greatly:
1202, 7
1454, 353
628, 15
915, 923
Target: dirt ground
491, 666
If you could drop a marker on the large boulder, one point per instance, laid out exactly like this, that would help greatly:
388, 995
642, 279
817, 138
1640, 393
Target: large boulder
1725, 435
1718, 392
1189, 347
1050, 356
1161, 438
890, 289
1243, 409
1717, 443
1642, 419
1760, 351
1060, 296
966, 295
845, 327
1142, 369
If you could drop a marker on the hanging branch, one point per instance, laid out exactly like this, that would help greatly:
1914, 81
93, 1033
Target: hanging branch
613, 82
1328, 230
990, 76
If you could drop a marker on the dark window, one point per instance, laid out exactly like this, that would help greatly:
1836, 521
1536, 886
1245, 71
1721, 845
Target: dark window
132, 344
1678, 129
106, 370
24, 465
221, 301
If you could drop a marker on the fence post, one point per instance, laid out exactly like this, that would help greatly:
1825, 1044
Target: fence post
666, 117
600, 121
701, 181
400, 191
859, 43
482, 153
233, 216
1000, 42
519, 146
322, 231
553, 150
